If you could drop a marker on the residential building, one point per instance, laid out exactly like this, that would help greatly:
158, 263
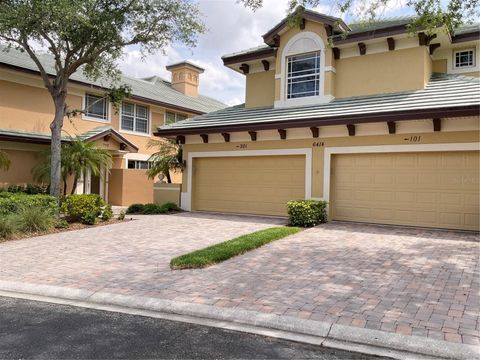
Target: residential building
26, 111
380, 122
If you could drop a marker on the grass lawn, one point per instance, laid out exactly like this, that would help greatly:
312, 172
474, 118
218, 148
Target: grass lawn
227, 249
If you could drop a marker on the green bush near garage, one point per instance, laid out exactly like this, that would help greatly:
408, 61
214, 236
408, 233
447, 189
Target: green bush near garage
152, 209
84, 208
12, 203
307, 213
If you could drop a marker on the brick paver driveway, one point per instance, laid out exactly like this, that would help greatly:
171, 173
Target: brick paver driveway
409, 281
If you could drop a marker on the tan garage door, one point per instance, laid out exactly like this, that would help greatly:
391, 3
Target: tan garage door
250, 185
434, 189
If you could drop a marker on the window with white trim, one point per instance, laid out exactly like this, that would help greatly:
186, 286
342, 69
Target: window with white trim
138, 164
171, 117
464, 58
135, 118
303, 75
96, 107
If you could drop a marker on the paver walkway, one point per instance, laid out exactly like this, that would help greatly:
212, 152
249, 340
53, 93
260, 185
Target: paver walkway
408, 281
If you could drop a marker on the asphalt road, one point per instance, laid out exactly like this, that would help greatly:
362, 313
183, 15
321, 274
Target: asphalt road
30, 329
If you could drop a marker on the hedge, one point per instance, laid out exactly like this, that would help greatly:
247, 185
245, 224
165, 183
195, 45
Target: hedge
14, 202
82, 207
307, 213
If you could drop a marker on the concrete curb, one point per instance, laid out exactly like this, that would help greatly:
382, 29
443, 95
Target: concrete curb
372, 342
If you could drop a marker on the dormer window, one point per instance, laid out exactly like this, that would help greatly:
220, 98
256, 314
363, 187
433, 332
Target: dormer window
464, 58
303, 75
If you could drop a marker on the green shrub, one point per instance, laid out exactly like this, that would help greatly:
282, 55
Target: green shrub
89, 218
61, 224
152, 209
31, 189
107, 213
121, 216
170, 206
34, 219
8, 226
307, 213
13, 202
135, 209
82, 207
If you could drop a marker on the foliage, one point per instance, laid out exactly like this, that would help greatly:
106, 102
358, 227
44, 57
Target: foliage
121, 216
107, 213
170, 206
61, 224
4, 161
30, 189
34, 219
307, 213
225, 250
89, 36
8, 226
82, 207
153, 209
135, 209
14, 202
78, 157
430, 14
169, 157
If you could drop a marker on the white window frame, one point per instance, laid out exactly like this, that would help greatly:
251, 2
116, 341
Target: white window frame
93, 118
136, 163
176, 115
454, 59
134, 132
314, 55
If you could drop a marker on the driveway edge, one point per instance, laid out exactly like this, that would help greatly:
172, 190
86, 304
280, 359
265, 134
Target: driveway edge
343, 337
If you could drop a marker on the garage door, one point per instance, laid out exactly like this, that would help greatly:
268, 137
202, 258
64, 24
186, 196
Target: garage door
250, 185
434, 189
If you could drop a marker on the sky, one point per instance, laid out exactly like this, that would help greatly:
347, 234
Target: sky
230, 28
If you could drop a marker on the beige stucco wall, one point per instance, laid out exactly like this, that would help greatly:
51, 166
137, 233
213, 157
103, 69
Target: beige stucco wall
127, 186
260, 89
22, 161
164, 193
439, 66
408, 130
379, 73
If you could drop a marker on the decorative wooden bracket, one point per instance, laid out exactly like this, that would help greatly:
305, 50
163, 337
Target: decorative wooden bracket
437, 124
283, 134
123, 146
424, 39
314, 131
180, 139
266, 65
363, 48
302, 24
276, 41
391, 127
253, 135
329, 30
433, 47
336, 53
245, 68
391, 43
226, 136
106, 138
204, 138
351, 129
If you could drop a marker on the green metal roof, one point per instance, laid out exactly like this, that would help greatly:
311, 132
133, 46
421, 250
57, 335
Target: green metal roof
160, 91
443, 92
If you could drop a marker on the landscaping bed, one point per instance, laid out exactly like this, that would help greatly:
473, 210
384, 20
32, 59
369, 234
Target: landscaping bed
225, 250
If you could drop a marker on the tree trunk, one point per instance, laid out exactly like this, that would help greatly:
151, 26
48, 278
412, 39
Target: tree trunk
74, 186
56, 146
64, 186
169, 179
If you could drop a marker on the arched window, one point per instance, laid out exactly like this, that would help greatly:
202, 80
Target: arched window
303, 71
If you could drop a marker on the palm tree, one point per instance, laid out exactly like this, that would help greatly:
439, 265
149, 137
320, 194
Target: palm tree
78, 157
167, 158
4, 161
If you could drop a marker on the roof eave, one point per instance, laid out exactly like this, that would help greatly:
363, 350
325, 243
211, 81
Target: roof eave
257, 55
470, 36
417, 114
